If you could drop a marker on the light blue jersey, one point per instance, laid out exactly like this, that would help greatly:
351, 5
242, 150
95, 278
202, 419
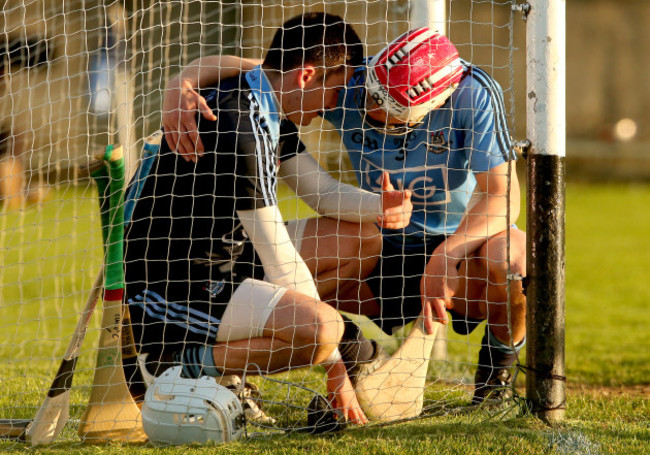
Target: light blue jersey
436, 160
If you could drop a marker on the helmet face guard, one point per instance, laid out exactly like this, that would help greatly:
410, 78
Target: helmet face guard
396, 129
414, 74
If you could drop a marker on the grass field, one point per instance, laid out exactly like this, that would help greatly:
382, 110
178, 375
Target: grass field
54, 250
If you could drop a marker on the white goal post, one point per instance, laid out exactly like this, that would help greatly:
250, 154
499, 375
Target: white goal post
81, 78
546, 126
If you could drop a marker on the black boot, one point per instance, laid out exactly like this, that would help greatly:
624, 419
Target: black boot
493, 381
361, 356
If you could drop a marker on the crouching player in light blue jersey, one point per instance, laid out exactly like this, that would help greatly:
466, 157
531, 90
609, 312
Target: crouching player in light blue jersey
435, 126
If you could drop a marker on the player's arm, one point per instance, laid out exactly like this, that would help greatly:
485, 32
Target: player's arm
181, 101
493, 213
329, 197
342, 394
282, 263
484, 219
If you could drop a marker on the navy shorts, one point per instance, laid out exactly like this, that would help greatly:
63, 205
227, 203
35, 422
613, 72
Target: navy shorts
173, 315
173, 304
396, 282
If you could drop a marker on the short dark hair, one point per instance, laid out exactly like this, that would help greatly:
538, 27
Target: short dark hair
319, 39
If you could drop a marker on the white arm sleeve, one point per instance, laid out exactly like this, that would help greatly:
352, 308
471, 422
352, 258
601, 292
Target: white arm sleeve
282, 263
326, 195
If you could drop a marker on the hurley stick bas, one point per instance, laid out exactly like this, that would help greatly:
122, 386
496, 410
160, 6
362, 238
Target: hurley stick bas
395, 391
54, 411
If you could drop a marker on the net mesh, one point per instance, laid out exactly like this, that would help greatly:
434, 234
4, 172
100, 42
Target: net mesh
76, 76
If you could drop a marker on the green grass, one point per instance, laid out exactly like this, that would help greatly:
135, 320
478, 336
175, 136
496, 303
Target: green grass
50, 253
608, 265
594, 425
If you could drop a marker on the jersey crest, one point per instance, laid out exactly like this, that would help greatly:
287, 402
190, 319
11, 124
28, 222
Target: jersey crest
437, 143
214, 288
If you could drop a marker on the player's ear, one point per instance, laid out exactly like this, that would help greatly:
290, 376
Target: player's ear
306, 75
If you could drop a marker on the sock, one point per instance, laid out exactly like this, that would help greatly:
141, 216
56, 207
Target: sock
198, 361
354, 347
496, 355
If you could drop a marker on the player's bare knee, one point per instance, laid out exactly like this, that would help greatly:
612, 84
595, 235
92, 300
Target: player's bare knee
502, 263
360, 240
371, 239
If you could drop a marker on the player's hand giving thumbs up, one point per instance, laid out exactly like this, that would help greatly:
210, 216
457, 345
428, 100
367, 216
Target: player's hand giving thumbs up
396, 205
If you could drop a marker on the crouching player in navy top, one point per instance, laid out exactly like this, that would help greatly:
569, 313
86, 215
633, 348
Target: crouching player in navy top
214, 281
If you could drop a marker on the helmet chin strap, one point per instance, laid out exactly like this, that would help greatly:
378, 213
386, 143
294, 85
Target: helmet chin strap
391, 129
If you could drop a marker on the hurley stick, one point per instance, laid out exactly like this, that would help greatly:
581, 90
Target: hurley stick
395, 391
112, 414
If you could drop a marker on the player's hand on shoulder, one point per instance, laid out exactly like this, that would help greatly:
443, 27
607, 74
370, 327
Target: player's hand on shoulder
396, 205
180, 105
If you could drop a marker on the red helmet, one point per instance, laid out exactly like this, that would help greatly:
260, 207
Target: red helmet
414, 74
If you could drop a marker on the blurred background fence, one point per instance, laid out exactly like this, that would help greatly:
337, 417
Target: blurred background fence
78, 74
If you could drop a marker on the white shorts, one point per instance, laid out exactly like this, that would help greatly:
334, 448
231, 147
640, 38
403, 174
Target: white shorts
253, 301
248, 310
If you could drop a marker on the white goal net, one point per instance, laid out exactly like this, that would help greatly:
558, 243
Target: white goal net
78, 76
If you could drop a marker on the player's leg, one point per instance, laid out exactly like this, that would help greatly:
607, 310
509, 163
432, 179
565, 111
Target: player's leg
485, 292
264, 328
270, 329
340, 255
